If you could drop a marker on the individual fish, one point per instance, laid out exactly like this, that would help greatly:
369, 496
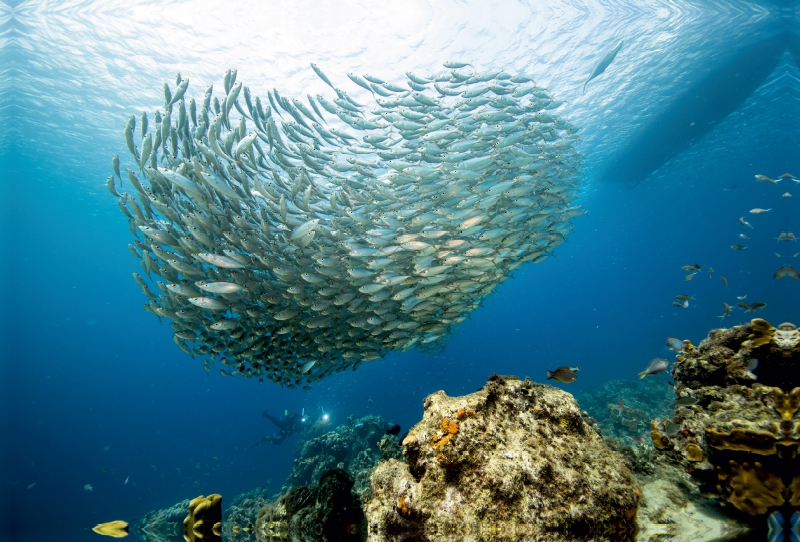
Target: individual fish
208, 303
394, 430
672, 429
744, 222
787, 236
563, 374
686, 401
656, 366
738, 247
675, 345
307, 366
126, 480
692, 267
786, 271
740, 297
724, 280
88, 487
765, 179
727, 311
786, 195
219, 287
757, 306
689, 277
710, 272
684, 297
743, 236
745, 306
681, 305
114, 529
758, 211
219, 261
604, 63
752, 365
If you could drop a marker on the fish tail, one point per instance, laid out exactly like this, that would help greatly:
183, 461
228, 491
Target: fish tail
584, 86
549, 375
642, 374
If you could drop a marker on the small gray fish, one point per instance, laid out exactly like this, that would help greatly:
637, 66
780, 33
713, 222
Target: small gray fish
738, 247
752, 364
656, 366
676, 345
672, 429
687, 401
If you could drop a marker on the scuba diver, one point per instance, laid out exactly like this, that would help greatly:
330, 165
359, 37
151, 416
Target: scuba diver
290, 423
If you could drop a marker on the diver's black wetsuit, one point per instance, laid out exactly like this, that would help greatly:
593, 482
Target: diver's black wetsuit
288, 425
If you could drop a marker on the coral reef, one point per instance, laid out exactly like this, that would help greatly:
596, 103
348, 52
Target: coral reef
204, 520
622, 410
163, 525
327, 512
239, 520
739, 440
515, 459
356, 447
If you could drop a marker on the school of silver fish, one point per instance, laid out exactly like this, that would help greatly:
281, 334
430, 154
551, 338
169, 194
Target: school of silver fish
297, 239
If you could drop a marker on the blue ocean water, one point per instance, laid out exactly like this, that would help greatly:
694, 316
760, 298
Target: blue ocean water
95, 392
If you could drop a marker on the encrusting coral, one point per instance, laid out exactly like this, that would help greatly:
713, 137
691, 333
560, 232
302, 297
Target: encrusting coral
738, 431
515, 456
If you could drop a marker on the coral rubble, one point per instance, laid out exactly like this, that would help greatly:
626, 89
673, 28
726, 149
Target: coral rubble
515, 458
740, 440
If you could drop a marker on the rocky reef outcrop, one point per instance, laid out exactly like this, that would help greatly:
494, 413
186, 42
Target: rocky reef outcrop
514, 459
325, 512
736, 428
355, 447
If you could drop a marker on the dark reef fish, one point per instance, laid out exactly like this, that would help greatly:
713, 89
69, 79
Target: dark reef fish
395, 430
563, 374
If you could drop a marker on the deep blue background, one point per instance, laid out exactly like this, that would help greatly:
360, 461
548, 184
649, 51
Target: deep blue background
85, 369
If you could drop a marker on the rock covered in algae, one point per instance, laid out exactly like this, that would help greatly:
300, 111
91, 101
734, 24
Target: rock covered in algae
163, 525
741, 437
325, 512
515, 457
283, 240
356, 447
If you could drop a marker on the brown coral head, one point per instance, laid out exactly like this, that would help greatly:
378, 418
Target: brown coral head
660, 440
762, 333
693, 452
753, 489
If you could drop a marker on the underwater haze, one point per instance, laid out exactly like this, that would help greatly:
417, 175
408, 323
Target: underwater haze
104, 417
